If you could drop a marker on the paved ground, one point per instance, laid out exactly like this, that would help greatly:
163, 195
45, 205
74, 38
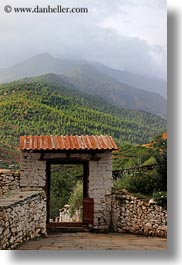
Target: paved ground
93, 241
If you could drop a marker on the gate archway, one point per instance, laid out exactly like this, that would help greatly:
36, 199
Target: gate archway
93, 152
86, 208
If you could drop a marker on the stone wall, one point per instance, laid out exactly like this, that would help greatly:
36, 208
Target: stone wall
133, 215
9, 180
22, 216
33, 176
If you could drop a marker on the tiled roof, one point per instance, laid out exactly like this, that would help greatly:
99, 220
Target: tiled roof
68, 142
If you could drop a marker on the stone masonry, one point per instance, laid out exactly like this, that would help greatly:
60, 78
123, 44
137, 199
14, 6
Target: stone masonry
9, 181
33, 176
130, 214
23, 213
32, 170
22, 217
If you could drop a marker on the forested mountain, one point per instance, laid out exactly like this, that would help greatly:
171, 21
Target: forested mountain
47, 105
88, 79
142, 82
96, 79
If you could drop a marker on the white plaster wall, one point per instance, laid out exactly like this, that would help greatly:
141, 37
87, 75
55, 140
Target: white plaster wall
32, 171
100, 185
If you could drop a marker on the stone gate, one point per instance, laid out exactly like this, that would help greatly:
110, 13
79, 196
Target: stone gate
94, 152
24, 197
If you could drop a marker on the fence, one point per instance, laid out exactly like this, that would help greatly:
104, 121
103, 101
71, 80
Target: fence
118, 174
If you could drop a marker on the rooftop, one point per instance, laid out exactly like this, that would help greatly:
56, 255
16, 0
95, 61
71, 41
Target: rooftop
67, 142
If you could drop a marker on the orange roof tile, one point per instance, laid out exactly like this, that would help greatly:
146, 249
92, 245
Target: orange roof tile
67, 142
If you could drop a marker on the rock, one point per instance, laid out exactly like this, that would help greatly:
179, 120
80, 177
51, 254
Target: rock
149, 226
151, 201
163, 228
139, 217
146, 231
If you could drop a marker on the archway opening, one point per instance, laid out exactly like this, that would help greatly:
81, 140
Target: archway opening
67, 193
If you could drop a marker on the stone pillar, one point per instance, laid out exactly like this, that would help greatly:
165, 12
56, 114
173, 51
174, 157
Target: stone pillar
100, 185
32, 171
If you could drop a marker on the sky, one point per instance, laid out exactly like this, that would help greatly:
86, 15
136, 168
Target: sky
129, 35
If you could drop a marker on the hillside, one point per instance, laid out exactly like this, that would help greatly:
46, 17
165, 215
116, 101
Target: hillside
44, 106
95, 79
135, 80
88, 79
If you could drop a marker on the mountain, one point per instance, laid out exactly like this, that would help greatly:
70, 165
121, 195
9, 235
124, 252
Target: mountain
48, 105
95, 79
135, 80
38, 65
88, 79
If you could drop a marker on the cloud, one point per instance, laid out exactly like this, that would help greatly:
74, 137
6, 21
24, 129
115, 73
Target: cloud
126, 34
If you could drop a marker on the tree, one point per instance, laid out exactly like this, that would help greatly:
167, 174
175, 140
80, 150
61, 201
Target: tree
76, 198
161, 159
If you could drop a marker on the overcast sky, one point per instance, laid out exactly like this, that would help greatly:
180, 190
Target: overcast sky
124, 34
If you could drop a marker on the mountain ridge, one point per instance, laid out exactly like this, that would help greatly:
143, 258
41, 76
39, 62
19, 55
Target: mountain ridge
132, 79
47, 105
87, 78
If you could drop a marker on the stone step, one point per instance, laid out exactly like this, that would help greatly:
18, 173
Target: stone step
68, 229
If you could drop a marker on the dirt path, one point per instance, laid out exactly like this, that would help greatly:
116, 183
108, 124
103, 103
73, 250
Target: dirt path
94, 241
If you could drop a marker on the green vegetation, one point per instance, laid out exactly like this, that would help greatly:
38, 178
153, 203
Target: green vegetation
95, 79
40, 106
152, 183
132, 155
43, 106
8, 156
63, 185
161, 198
76, 198
161, 160
145, 183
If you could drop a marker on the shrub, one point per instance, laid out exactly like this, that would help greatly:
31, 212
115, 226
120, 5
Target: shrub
150, 161
161, 198
76, 199
122, 183
145, 183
